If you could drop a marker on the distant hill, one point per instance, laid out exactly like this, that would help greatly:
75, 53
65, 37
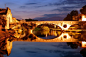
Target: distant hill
50, 19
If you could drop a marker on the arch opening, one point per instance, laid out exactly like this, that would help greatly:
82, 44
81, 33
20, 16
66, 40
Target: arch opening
47, 31
65, 26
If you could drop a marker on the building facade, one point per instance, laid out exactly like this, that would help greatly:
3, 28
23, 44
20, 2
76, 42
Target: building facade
6, 15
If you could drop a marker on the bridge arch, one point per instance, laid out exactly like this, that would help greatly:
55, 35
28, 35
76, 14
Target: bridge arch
52, 24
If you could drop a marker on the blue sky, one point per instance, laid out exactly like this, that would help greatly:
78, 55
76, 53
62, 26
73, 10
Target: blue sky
42, 9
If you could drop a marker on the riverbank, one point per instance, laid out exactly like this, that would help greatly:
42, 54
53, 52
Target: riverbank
6, 34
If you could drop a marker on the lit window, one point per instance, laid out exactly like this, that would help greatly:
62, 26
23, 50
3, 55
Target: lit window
83, 18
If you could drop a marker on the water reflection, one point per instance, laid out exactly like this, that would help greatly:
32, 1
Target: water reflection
47, 34
74, 45
6, 47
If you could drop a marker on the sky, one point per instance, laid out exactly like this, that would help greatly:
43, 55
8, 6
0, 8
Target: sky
52, 10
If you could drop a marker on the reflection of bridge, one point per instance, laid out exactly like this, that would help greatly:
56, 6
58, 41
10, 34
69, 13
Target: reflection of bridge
59, 23
64, 37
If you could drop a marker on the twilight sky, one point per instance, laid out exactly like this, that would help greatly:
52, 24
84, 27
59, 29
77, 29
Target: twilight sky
42, 9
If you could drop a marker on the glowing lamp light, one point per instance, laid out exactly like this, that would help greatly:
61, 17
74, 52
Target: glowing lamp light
83, 18
31, 31
84, 44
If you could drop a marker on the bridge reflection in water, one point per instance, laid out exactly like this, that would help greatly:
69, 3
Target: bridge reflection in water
6, 48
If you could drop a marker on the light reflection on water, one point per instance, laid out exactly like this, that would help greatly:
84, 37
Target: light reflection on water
42, 49
47, 35
32, 49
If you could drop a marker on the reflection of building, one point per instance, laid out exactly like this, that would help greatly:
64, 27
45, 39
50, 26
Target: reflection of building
6, 14
53, 33
5, 47
8, 47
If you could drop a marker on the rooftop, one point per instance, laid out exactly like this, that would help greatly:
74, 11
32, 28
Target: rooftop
3, 11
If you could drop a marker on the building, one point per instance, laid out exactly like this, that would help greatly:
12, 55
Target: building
14, 20
80, 17
6, 15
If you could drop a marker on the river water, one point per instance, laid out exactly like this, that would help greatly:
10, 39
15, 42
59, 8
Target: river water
40, 49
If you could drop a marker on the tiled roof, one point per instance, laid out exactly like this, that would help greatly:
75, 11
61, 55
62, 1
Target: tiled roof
3, 11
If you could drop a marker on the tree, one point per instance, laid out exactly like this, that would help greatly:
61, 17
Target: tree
83, 52
83, 10
45, 28
18, 19
70, 16
30, 19
74, 13
73, 45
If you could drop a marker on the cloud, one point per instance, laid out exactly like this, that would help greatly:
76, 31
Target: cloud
10, 3
60, 10
21, 11
68, 3
40, 6
66, 8
23, 7
51, 17
79, 2
47, 8
30, 3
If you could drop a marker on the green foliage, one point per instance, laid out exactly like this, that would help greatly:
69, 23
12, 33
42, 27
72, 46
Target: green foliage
37, 29
42, 31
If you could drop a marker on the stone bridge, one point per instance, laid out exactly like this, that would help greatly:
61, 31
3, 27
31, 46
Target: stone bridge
58, 23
